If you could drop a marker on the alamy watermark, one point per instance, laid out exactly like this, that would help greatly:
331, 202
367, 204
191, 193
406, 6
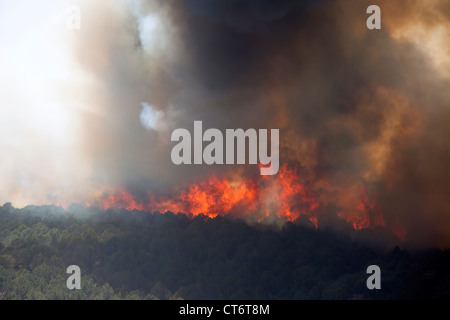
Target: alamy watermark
74, 281
373, 281
73, 21
235, 147
374, 21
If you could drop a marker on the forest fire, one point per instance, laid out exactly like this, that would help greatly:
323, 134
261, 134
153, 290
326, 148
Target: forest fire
369, 213
287, 195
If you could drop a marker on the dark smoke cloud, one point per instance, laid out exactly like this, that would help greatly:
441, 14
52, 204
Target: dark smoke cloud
354, 106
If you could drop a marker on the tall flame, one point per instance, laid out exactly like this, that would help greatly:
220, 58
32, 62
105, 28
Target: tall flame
370, 215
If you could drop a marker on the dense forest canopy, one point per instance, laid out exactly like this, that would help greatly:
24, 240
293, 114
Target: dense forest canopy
138, 255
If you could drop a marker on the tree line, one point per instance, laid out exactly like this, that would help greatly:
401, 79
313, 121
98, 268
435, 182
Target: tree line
138, 255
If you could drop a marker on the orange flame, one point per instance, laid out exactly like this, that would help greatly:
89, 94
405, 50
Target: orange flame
285, 195
370, 215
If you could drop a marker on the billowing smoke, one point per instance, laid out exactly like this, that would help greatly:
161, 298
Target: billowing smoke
363, 114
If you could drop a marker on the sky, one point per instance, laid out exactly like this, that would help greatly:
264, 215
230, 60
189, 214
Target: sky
86, 112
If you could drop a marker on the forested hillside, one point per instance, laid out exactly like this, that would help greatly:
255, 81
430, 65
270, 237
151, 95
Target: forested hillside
138, 255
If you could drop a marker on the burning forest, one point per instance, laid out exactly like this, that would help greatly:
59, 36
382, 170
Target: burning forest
362, 113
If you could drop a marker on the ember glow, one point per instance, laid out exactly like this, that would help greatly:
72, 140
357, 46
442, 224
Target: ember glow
370, 214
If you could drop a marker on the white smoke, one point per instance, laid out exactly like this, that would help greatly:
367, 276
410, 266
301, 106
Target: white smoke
149, 117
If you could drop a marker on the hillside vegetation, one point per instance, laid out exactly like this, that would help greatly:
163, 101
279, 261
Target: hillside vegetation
138, 255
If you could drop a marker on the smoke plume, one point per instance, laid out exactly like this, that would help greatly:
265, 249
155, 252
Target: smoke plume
363, 114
